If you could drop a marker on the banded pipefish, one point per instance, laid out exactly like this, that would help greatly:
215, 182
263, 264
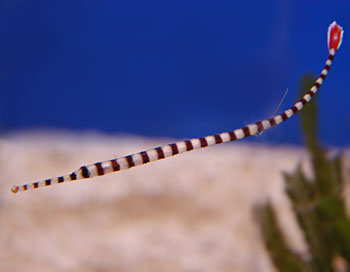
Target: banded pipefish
334, 40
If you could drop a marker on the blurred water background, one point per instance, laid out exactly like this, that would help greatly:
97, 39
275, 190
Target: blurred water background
86, 81
168, 68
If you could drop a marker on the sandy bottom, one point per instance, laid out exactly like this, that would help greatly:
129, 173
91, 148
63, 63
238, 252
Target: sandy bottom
192, 212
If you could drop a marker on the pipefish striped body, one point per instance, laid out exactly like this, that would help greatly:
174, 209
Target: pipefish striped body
334, 40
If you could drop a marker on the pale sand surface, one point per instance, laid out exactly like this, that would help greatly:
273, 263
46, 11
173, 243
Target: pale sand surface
192, 212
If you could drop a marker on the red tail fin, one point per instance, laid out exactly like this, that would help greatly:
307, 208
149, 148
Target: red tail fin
335, 36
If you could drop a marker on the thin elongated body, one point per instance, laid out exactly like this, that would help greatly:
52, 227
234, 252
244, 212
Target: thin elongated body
335, 35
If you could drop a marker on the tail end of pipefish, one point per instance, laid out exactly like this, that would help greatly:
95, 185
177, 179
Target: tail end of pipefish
334, 36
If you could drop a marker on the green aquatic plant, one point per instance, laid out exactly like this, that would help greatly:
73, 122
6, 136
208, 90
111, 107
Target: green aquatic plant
318, 203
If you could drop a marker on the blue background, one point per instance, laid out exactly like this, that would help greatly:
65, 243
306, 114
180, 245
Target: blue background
169, 68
